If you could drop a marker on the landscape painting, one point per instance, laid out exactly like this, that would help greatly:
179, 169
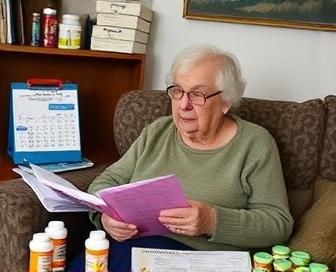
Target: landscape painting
306, 14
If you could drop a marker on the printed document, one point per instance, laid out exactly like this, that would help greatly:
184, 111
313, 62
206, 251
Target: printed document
164, 260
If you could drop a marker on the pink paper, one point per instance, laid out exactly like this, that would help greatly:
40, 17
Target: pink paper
140, 203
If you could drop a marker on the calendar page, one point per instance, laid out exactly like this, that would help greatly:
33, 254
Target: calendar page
45, 120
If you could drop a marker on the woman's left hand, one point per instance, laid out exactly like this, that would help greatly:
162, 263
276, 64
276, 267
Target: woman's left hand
198, 219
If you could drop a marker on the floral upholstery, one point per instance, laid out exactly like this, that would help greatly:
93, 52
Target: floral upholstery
328, 155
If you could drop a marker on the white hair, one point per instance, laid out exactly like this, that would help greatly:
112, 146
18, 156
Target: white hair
228, 78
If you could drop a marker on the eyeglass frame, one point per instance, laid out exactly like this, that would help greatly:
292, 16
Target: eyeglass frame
188, 94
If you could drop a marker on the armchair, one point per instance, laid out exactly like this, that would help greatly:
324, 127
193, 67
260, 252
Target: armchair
305, 134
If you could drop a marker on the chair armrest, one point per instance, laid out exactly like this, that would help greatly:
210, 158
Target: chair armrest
316, 229
22, 215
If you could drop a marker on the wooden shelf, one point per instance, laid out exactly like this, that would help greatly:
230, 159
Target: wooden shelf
102, 77
69, 52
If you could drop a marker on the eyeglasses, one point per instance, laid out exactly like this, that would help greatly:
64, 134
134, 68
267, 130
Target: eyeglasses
196, 97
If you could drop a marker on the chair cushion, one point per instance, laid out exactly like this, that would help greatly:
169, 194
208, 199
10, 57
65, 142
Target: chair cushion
296, 128
134, 111
316, 230
328, 154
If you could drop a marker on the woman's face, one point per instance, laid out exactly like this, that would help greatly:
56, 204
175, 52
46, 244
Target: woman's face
193, 121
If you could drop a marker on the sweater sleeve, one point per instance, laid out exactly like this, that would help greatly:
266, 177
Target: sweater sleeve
118, 173
266, 220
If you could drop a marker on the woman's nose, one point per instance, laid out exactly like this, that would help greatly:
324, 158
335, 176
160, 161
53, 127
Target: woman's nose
185, 102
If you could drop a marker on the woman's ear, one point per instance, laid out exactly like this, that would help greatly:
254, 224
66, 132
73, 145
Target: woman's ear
226, 107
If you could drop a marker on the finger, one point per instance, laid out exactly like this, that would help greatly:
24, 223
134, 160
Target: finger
179, 230
178, 221
178, 212
115, 223
124, 236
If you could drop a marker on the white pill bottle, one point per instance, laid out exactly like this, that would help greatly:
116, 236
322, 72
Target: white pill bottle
96, 252
57, 233
69, 36
41, 249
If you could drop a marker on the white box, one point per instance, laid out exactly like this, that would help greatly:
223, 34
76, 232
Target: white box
117, 46
119, 33
128, 8
122, 20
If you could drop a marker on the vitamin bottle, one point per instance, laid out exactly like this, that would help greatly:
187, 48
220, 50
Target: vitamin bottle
280, 252
318, 267
69, 32
96, 253
282, 265
41, 249
301, 255
49, 27
263, 261
35, 39
57, 233
297, 262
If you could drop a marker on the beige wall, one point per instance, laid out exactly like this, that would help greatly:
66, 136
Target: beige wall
277, 63
79, 6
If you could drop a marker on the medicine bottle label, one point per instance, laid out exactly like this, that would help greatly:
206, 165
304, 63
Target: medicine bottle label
40, 261
59, 255
96, 261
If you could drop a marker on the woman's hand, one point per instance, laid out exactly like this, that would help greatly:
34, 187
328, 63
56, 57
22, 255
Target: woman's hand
118, 230
198, 219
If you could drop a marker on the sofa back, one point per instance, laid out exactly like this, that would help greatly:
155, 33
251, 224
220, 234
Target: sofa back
296, 127
328, 155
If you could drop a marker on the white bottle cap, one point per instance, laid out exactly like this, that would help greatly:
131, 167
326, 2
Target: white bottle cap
70, 19
41, 237
41, 243
97, 240
56, 224
49, 11
56, 230
97, 234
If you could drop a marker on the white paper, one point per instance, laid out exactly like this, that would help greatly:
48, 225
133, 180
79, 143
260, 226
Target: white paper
57, 183
162, 260
51, 200
46, 120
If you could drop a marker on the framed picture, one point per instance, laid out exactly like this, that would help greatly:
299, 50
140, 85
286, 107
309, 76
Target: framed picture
305, 14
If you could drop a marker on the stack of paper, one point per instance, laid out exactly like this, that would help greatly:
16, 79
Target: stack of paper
138, 203
122, 26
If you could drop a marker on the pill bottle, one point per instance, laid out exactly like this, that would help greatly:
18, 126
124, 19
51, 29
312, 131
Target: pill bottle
301, 269
41, 250
263, 261
297, 262
282, 265
318, 267
302, 255
36, 25
57, 233
96, 252
69, 36
49, 28
280, 252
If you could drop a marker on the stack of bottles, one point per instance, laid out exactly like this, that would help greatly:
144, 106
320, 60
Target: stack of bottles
48, 250
283, 259
69, 30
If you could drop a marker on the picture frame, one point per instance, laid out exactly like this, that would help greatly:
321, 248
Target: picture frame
300, 14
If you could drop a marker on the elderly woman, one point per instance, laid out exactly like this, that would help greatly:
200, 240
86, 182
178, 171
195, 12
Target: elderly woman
229, 168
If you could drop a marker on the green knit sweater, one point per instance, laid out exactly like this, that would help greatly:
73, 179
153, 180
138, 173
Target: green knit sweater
243, 180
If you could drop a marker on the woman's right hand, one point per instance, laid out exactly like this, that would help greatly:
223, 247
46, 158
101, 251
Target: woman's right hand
118, 230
